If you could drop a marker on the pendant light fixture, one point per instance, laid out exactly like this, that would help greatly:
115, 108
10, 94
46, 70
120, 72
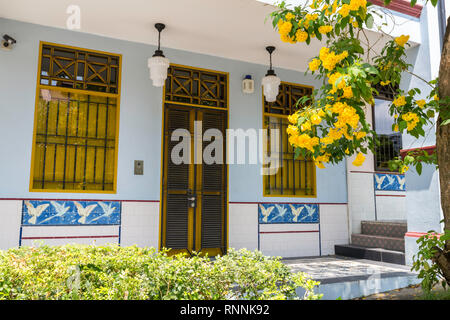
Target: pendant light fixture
158, 63
271, 82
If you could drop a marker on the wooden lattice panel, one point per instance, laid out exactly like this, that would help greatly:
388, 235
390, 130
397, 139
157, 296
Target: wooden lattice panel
78, 69
196, 87
286, 102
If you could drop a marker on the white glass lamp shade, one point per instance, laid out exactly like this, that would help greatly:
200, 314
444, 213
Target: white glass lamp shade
158, 70
271, 85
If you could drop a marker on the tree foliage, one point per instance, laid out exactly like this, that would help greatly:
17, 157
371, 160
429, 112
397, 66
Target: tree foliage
333, 125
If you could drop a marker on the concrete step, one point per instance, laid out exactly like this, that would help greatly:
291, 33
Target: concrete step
372, 241
393, 229
374, 254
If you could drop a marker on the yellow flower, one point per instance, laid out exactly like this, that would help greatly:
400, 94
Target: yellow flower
421, 103
293, 118
400, 101
292, 130
305, 126
301, 35
311, 17
346, 151
385, 83
314, 64
348, 93
403, 169
435, 97
289, 16
359, 134
319, 164
285, 28
315, 119
396, 128
359, 160
355, 24
345, 10
401, 40
325, 29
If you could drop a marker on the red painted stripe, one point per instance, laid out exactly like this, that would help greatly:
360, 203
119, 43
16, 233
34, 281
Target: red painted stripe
306, 231
70, 237
321, 203
391, 195
418, 234
379, 172
401, 6
42, 199
429, 149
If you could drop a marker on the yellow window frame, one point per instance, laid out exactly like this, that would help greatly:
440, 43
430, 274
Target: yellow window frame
63, 90
313, 181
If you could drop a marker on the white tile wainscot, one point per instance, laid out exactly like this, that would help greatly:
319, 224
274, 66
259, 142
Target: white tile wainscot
333, 226
140, 224
243, 226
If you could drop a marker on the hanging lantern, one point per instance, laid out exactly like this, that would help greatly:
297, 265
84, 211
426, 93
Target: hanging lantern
271, 82
158, 63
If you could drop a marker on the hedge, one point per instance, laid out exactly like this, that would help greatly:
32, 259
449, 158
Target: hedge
117, 273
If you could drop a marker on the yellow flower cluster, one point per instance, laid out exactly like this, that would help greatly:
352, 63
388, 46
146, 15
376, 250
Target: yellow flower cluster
401, 40
347, 116
293, 118
359, 159
319, 160
411, 120
356, 4
284, 27
330, 59
304, 141
325, 29
289, 16
311, 17
400, 101
348, 92
421, 103
314, 64
332, 79
301, 35
385, 83
345, 10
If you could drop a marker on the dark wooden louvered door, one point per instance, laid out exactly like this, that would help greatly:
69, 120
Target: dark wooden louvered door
195, 193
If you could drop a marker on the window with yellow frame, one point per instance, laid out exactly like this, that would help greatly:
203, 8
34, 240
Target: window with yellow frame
296, 177
76, 120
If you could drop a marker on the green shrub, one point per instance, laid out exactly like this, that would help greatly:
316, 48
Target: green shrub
113, 272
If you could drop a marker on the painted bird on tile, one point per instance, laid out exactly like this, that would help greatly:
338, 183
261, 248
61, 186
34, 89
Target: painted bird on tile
266, 212
391, 180
107, 211
35, 212
379, 180
296, 212
61, 210
281, 211
401, 182
84, 212
311, 210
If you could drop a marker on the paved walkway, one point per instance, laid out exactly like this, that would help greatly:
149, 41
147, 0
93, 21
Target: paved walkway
338, 269
349, 278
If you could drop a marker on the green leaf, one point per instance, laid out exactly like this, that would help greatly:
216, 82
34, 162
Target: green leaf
419, 168
369, 21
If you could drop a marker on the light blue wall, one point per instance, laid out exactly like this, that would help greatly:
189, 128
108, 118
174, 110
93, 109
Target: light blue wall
140, 117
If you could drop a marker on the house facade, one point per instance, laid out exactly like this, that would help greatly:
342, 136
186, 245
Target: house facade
88, 143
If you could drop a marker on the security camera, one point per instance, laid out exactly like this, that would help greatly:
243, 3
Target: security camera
8, 42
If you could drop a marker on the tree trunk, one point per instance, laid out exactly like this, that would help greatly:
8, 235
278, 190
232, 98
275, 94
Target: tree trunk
442, 258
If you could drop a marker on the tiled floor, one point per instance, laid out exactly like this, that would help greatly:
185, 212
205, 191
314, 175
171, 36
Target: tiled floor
341, 269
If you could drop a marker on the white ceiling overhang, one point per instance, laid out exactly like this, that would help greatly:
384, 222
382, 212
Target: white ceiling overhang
234, 29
